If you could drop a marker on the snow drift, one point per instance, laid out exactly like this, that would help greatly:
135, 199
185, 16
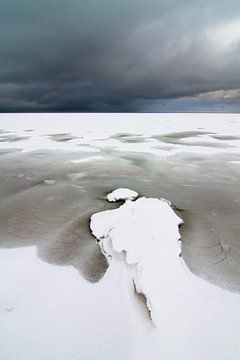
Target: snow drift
147, 231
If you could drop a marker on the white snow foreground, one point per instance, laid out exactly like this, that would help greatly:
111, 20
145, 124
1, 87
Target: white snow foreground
147, 231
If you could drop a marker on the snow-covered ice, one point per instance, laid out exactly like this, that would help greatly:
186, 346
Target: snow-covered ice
147, 230
122, 194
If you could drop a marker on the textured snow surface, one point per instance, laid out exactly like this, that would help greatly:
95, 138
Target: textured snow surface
51, 312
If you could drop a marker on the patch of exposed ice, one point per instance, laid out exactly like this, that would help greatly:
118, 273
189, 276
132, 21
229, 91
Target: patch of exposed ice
122, 194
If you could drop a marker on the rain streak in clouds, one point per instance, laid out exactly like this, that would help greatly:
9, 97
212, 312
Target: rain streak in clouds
80, 55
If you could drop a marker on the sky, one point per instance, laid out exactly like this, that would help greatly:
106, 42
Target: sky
120, 56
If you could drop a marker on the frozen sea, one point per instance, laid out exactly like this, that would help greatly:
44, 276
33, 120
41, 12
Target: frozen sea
59, 297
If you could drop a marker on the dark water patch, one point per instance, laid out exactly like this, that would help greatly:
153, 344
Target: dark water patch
76, 246
191, 158
12, 138
125, 135
207, 237
207, 144
8, 151
185, 134
225, 137
166, 139
53, 218
62, 137
129, 138
180, 141
164, 147
56, 220
4, 131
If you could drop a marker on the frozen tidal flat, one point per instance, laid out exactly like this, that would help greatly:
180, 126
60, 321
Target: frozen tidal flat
60, 298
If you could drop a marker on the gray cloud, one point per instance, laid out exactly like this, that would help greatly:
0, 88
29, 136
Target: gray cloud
133, 55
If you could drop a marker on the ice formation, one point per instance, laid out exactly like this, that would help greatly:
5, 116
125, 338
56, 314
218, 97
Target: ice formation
122, 194
147, 230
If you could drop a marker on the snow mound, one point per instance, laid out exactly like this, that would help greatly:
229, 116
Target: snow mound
122, 194
147, 231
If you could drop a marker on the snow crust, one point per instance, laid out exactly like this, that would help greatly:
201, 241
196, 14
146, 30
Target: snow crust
122, 194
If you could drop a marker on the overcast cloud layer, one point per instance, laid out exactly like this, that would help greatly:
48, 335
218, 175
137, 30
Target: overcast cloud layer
112, 55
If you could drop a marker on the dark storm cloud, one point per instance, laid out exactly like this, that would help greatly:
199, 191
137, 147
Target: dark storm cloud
132, 55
